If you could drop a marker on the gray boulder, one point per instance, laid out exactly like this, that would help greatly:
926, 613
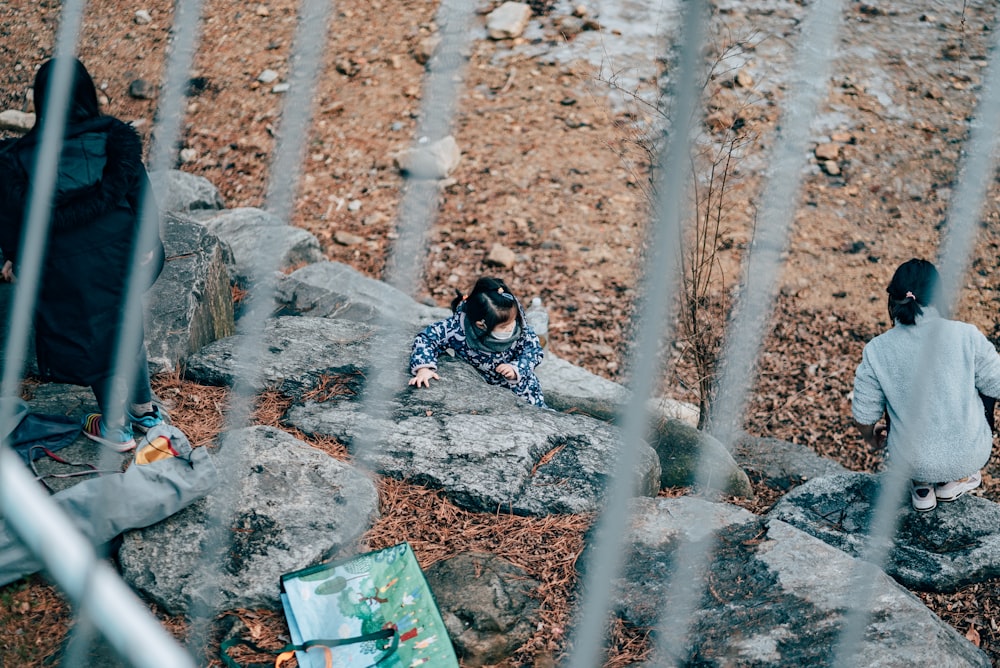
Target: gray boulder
281, 505
335, 290
332, 290
259, 239
297, 354
953, 546
191, 303
773, 595
568, 388
481, 444
678, 443
680, 447
486, 604
782, 465
180, 192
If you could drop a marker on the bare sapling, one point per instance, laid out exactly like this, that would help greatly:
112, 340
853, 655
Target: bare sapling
720, 216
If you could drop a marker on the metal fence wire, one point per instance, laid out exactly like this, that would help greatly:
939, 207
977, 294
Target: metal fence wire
102, 602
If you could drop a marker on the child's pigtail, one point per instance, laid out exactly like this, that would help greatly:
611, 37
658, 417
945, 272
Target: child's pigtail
459, 298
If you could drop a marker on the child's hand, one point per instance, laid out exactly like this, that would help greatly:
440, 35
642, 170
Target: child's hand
8, 271
874, 435
423, 377
881, 434
507, 371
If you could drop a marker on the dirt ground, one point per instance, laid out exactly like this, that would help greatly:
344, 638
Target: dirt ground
551, 171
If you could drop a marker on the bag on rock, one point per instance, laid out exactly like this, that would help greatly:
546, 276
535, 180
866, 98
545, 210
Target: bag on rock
381, 593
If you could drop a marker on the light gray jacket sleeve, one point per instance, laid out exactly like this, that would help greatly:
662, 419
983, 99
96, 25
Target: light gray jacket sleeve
987, 367
868, 404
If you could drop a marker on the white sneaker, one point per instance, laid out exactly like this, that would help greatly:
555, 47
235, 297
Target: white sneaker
922, 496
949, 491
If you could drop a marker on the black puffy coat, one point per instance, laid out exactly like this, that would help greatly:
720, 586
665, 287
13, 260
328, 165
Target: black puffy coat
94, 224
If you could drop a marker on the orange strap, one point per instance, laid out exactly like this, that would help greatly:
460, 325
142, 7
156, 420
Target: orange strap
285, 656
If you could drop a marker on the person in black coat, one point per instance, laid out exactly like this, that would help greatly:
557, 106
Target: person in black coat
94, 224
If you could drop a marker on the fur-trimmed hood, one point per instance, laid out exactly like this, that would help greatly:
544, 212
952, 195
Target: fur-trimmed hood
100, 167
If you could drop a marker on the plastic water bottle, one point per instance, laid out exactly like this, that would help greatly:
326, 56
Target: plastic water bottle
538, 319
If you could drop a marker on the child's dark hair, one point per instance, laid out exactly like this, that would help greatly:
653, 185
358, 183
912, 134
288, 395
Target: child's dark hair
490, 302
913, 285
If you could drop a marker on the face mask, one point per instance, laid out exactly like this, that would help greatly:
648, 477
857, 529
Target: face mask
502, 336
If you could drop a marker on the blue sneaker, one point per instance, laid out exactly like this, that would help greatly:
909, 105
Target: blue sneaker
148, 420
119, 440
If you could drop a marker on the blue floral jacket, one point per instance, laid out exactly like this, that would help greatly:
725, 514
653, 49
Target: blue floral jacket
524, 355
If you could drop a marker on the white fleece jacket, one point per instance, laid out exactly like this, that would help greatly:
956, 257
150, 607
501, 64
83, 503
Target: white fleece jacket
927, 376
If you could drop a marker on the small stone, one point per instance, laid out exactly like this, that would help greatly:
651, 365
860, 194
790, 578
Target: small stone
829, 151
347, 239
141, 89
425, 48
262, 10
143, 17
570, 26
508, 20
581, 11
348, 67
267, 76
501, 256
188, 155
743, 79
431, 161
12, 119
281, 88
831, 167
354, 205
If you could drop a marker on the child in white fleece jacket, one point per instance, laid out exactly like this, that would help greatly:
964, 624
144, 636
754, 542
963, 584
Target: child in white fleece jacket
927, 374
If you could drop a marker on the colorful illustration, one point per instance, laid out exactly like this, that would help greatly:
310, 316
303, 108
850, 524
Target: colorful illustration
365, 594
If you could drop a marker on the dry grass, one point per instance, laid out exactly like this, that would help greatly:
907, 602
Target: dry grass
34, 619
545, 547
197, 410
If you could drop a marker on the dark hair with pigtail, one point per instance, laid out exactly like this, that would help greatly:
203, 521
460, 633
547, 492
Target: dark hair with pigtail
491, 302
914, 284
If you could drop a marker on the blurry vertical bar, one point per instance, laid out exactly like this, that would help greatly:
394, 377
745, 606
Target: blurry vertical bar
418, 207
162, 157
745, 336
657, 291
306, 62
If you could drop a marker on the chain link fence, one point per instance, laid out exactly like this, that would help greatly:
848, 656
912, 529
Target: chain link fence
103, 602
